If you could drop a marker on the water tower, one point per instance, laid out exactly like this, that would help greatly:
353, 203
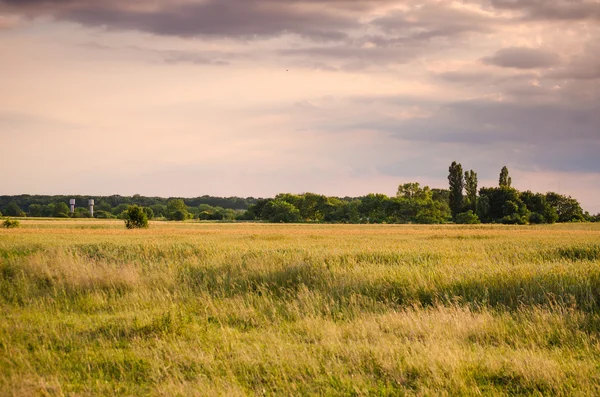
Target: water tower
91, 204
72, 203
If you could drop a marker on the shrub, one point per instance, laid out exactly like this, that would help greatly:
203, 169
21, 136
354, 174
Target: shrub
536, 218
81, 213
136, 218
10, 224
513, 219
467, 218
103, 214
179, 215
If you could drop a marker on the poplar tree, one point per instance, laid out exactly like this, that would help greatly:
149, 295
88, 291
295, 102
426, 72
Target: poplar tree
457, 184
505, 180
471, 189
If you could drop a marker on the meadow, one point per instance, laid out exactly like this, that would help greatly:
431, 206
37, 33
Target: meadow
90, 308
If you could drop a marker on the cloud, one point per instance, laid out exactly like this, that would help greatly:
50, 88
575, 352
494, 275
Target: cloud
486, 83
565, 10
322, 20
585, 66
354, 57
435, 19
8, 21
522, 58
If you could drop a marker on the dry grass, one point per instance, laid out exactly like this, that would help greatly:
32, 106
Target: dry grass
90, 308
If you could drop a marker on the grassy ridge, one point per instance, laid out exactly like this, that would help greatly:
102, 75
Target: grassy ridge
201, 309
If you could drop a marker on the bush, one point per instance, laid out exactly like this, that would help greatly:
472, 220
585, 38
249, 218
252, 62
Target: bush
513, 219
179, 215
467, 218
136, 218
81, 213
103, 214
9, 224
536, 218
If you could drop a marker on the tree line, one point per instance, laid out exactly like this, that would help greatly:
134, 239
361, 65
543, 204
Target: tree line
462, 202
115, 206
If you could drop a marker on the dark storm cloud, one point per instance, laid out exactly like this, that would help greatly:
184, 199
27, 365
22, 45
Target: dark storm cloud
231, 18
522, 58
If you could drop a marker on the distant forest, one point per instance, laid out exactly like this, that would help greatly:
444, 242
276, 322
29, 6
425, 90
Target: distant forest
462, 203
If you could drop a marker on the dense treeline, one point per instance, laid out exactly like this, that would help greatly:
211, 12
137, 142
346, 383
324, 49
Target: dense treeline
462, 202
114, 206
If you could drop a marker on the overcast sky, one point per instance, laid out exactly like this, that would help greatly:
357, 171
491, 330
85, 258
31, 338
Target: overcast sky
257, 97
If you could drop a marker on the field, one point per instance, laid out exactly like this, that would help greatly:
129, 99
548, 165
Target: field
90, 308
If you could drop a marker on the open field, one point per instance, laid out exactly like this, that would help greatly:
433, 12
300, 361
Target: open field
90, 308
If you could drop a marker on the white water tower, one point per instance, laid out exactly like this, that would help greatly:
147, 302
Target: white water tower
72, 203
91, 204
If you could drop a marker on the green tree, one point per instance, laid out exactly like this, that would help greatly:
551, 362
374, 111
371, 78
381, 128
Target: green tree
177, 210
414, 191
432, 212
471, 189
503, 205
567, 208
12, 209
280, 211
136, 218
255, 211
442, 195
483, 208
149, 212
61, 210
541, 210
118, 210
102, 206
178, 215
48, 210
35, 210
456, 181
159, 210
504, 180
373, 208
312, 207
81, 212
467, 218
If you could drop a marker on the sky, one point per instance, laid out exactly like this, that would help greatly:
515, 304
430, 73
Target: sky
258, 97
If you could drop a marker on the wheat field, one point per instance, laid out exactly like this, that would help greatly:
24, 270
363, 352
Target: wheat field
90, 308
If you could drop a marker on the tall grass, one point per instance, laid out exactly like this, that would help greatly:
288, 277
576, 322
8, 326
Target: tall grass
214, 309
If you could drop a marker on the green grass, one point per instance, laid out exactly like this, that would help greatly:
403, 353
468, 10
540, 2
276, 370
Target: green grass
89, 308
